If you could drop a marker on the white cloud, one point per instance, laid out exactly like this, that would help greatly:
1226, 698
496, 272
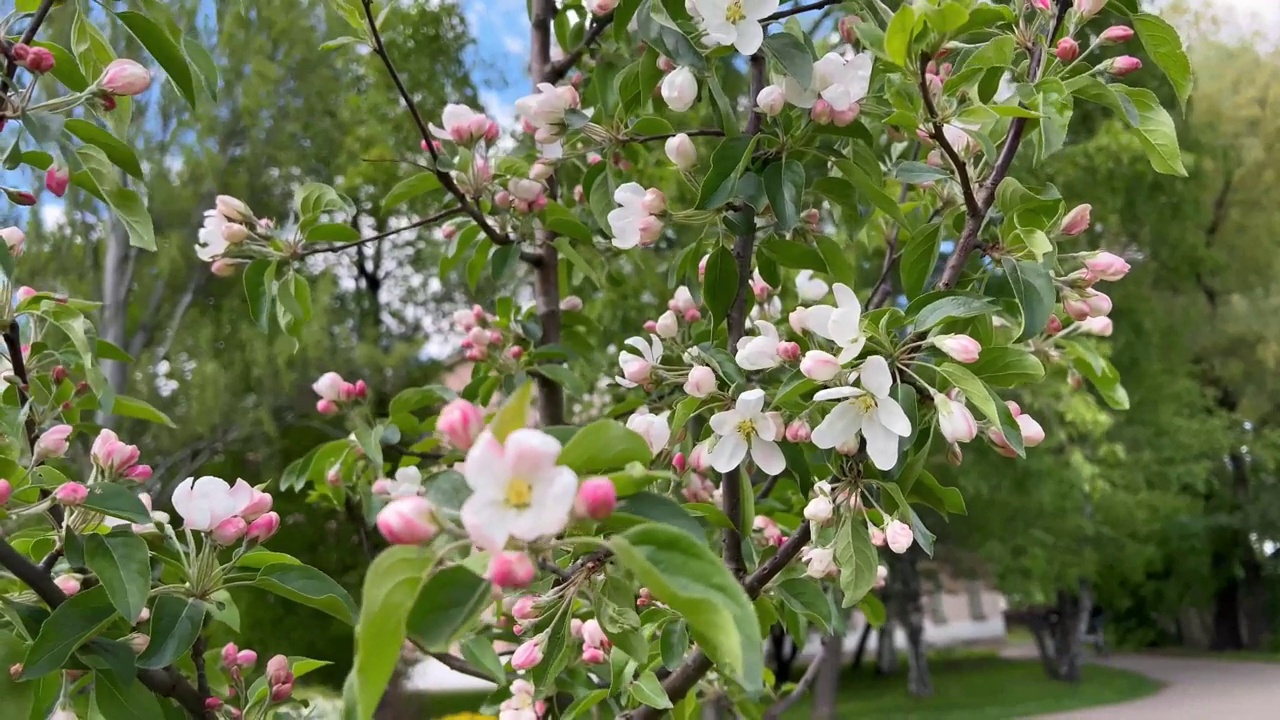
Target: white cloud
53, 215
514, 45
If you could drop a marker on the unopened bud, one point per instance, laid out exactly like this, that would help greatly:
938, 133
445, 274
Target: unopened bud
1067, 50
1117, 34
848, 29
58, 374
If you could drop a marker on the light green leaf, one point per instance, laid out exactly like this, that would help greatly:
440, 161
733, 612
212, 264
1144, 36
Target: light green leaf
647, 689
1032, 239
1098, 371
175, 624
449, 601
127, 205
308, 586
793, 55
259, 288
116, 151
950, 308
603, 446
898, 37
685, 575
164, 49
805, 597
409, 188
513, 415
123, 566
926, 489
1155, 129
332, 232
856, 557
132, 407
391, 587
1162, 43
202, 62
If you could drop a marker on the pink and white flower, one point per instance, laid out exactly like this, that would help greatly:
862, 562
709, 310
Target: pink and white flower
745, 428
868, 411
633, 222
759, 352
733, 22
205, 502
654, 428
636, 369
841, 324
518, 490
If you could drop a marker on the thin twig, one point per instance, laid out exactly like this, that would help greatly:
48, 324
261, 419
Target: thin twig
553, 569
37, 19
445, 178
883, 288
339, 247
702, 132
556, 71
13, 343
457, 664
810, 674
940, 137
798, 9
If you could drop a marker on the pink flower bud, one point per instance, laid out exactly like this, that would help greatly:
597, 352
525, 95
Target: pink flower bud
527, 655
819, 365
278, 672
229, 531
408, 521
593, 635
1117, 34
796, 319
593, 656
39, 60
843, 118
692, 315
650, 230
573, 303
677, 463
1067, 50
821, 112
1099, 326
960, 348
665, 64
246, 658
1042, 4
650, 326
1052, 326
261, 529
788, 351
19, 52
702, 268
1088, 8
771, 100
811, 217
596, 498
798, 432
56, 179
326, 407
575, 627
281, 692
502, 200
20, 197
524, 608
212, 703
1098, 303
898, 536
511, 570
655, 202
847, 30
6, 491
877, 537
223, 267
52, 443
125, 77
701, 381
26, 293
1106, 266
460, 423
699, 458
68, 584
143, 616
515, 352
229, 653
1032, 432
1122, 65
71, 494
1076, 221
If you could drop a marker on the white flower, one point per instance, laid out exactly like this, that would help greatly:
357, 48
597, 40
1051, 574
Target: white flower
819, 510
701, 382
742, 428
653, 428
631, 222
954, 419
820, 562
759, 352
841, 324
635, 368
734, 22
458, 122
667, 326
681, 152
824, 73
771, 99
407, 482
517, 489
870, 411
211, 245
809, 288
206, 501
960, 140
849, 81
545, 110
680, 89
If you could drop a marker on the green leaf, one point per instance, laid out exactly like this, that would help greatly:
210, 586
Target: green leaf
951, 307
791, 254
559, 219
836, 257
647, 688
259, 288
513, 415
570, 253
332, 232
919, 258
784, 184
1164, 46
203, 63
1155, 129
856, 557
915, 173
720, 284
107, 350
873, 609
69, 626
16, 697
584, 703
793, 55
1032, 239
66, 68
643, 507
163, 48
1007, 366
1099, 372
100, 177
117, 501
175, 624
555, 654
123, 566
562, 376
308, 586
805, 597
479, 652
685, 575
45, 128
674, 643
391, 586
987, 402
727, 161
898, 37
132, 407
1033, 287
929, 491
604, 446
409, 188
116, 151
447, 604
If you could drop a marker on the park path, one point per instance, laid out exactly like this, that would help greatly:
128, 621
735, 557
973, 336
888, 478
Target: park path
1195, 688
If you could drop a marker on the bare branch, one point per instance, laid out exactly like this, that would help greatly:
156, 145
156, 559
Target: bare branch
798, 9
556, 71
802, 686
701, 132
940, 137
339, 247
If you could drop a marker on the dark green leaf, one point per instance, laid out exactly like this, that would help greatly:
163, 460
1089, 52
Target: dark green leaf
1007, 366
562, 376
409, 188
163, 48
175, 623
118, 152
203, 63
805, 597
308, 586
873, 610
115, 699
117, 501
727, 161
915, 173
479, 652
69, 626
447, 604
929, 491
987, 402
951, 307
784, 184
570, 253
123, 566
792, 54
836, 256
602, 446
259, 288
43, 127
720, 284
1099, 372
856, 557
674, 643
919, 258
644, 507
555, 654
559, 219
66, 69
15, 697
584, 703
1033, 287
685, 575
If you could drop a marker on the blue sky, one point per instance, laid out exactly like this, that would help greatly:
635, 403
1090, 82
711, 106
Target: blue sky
501, 51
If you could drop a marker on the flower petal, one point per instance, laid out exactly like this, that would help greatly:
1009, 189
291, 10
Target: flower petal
844, 325
759, 9
750, 36
889, 414
629, 195
728, 452
484, 519
840, 425
768, 456
846, 298
548, 513
485, 468
725, 423
529, 453
241, 495
849, 352
818, 319
882, 444
836, 393
876, 376
751, 402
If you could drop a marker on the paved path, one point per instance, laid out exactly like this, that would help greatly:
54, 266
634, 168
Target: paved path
1195, 688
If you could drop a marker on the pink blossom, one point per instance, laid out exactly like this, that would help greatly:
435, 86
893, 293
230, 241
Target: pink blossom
701, 381
593, 656
229, 531
125, 77
112, 455
1076, 221
819, 365
1106, 266
71, 494
408, 520
6, 491
525, 608
1117, 34
1099, 326
1123, 65
56, 180
798, 431
877, 537
960, 348
898, 536
511, 570
596, 498
329, 386
460, 422
68, 584
53, 443
261, 529
527, 655
593, 635
229, 653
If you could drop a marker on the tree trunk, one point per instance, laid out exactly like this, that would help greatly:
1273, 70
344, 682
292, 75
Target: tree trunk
904, 579
826, 689
1041, 630
1072, 616
783, 650
862, 646
113, 316
886, 650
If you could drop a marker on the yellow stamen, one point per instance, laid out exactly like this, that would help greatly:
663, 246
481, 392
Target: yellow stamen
734, 12
746, 428
866, 403
519, 493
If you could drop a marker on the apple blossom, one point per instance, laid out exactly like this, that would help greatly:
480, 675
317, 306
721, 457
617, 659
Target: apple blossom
759, 352
68, 584
511, 570
701, 382
229, 531
125, 77
788, 351
682, 301
111, 455
882, 575
734, 22
408, 520
407, 482
204, 502
1032, 433
960, 348
681, 152
954, 419
52, 443
527, 655
680, 89
653, 428
1099, 326
848, 81
263, 528
1042, 4
636, 369
1067, 49
229, 655
632, 222
1123, 65
1076, 221
798, 431
820, 562
596, 498
71, 494
667, 325
809, 288
601, 7
1088, 8
700, 456
1116, 34
771, 99
460, 423
819, 365
746, 428
1107, 267
898, 536
821, 112
518, 490
868, 410
545, 110
819, 510
525, 608
56, 180
329, 386
842, 324
463, 125
14, 239
797, 319
6, 491
25, 292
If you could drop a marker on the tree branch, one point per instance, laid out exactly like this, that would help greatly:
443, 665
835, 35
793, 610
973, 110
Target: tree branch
700, 132
339, 247
445, 178
165, 683
37, 19
810, 674
556, 71
798, 9
197, 659
940, 137
457, 664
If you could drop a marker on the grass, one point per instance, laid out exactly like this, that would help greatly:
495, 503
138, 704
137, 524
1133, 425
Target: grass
981, 688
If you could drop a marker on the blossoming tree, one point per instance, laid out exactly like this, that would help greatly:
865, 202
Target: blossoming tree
853, 271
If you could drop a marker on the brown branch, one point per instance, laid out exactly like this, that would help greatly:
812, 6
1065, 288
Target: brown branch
810, 674
167, 682
798, 9
445, 178
556, 71
883, 288
37, 19
457, 664
339, 247
940, 137
701, 132
197, 659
